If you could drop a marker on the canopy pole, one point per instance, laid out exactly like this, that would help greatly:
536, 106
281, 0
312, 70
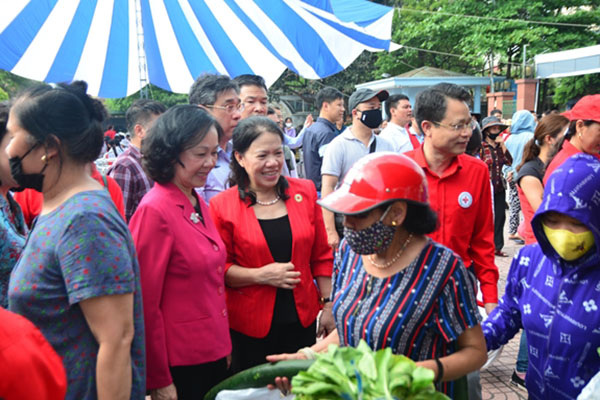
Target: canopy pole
141, 53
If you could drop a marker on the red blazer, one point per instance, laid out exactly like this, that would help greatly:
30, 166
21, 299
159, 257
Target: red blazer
182, 269
251, 307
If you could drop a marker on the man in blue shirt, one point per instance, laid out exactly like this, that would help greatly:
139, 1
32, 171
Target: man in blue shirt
330, 102
219, 95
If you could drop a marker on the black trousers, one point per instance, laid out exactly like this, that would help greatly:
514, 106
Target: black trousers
499, 218
282, 338
194, 381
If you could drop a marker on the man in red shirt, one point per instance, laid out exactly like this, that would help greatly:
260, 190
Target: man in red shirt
459, 185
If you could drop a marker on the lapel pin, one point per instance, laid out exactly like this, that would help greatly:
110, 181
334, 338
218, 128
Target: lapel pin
298, 198
195, 218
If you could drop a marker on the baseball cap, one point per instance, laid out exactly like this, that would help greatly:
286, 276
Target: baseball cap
586, 109
362, 95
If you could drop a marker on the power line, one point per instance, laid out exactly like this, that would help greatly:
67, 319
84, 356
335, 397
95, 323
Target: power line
449, 54
496, 19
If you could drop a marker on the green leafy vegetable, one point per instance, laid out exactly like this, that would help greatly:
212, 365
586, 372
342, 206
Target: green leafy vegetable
359, 373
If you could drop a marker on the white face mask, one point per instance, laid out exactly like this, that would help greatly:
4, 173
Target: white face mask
288, 124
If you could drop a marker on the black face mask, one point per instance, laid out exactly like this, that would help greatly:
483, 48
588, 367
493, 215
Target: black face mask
26, 181
493, 136
371, 118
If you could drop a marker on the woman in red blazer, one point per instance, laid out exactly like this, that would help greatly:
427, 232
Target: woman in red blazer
276, 247
182, 259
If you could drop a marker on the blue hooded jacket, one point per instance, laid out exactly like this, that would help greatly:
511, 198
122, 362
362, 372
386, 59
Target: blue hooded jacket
556, 302
521, 132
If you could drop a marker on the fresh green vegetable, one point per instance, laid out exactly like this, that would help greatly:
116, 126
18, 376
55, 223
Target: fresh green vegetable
350, 373
260, 376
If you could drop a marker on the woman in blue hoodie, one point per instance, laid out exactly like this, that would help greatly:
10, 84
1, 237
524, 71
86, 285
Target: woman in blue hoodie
521, 132
553, 287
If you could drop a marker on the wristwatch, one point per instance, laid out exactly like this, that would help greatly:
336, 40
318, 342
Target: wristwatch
324, 300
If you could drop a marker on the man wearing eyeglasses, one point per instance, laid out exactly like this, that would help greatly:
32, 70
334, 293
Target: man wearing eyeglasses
459, 185
459, 189
219, 95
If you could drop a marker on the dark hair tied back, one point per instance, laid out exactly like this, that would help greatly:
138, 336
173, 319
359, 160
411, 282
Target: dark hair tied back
64, 112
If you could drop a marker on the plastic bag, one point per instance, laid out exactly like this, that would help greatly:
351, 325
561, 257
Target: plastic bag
252, 394
591, 391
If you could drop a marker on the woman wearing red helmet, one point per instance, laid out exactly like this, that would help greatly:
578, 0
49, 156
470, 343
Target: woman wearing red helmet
393, 286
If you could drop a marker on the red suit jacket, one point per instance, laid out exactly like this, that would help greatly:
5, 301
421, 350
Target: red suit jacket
251, 307
182, 269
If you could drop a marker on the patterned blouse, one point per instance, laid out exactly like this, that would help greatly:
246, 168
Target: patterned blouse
419, 312
81, 250
495, 158
12, 239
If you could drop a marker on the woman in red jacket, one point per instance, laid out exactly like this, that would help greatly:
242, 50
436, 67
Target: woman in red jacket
276, 246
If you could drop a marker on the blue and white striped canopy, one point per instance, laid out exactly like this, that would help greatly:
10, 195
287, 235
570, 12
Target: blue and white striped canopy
118, 45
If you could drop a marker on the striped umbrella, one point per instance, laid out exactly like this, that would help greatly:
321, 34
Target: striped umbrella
118, 46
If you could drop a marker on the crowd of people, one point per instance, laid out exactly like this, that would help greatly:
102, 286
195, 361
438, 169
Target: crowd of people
207, 249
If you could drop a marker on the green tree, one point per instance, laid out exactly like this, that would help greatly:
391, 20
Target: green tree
452, 40
169, 99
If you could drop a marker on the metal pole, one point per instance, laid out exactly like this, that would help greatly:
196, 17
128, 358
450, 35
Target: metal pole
524, 59
491, 58
141, 53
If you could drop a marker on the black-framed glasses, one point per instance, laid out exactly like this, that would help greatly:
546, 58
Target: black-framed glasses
229, 108
458, 127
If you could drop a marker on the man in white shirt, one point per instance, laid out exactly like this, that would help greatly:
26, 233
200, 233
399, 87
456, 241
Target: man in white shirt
399, 114
350, 146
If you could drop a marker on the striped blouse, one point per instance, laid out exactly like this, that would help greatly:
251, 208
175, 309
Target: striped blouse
419, 312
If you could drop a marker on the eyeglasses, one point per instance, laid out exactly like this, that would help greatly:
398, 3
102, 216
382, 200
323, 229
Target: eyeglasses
229, 108
458, 127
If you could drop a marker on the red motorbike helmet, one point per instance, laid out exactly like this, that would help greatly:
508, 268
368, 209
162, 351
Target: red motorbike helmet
376, 179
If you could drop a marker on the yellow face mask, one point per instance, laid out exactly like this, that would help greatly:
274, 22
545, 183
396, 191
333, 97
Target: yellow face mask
569, 246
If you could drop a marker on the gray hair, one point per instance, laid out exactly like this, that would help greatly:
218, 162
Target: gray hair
208, 87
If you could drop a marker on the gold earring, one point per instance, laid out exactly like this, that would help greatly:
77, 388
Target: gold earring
44, 158
394, 223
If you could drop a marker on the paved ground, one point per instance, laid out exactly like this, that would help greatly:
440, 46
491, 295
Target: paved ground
495, 380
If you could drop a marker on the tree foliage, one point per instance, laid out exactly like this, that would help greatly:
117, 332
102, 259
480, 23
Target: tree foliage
452, 40
154, 92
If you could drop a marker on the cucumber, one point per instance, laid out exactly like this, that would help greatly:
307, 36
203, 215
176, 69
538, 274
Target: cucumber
260, 376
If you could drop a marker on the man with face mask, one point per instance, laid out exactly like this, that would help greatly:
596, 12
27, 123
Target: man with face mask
553, 287
494, 153
350, 146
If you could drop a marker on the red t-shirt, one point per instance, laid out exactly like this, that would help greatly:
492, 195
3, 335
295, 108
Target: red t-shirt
29, 366
31, 201
462, 199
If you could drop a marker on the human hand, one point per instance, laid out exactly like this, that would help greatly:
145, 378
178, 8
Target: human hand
165, 393
509, 176
228, 359
308, 121
326, 323
283, 384
281, 275
286, 356
499, 139
489, 307
333, 239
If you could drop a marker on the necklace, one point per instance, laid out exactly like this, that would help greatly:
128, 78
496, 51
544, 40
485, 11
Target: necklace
268, 203
393, 260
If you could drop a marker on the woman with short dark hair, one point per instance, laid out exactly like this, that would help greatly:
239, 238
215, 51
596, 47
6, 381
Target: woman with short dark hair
276, 247
182, 259
393, 286
77, 279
